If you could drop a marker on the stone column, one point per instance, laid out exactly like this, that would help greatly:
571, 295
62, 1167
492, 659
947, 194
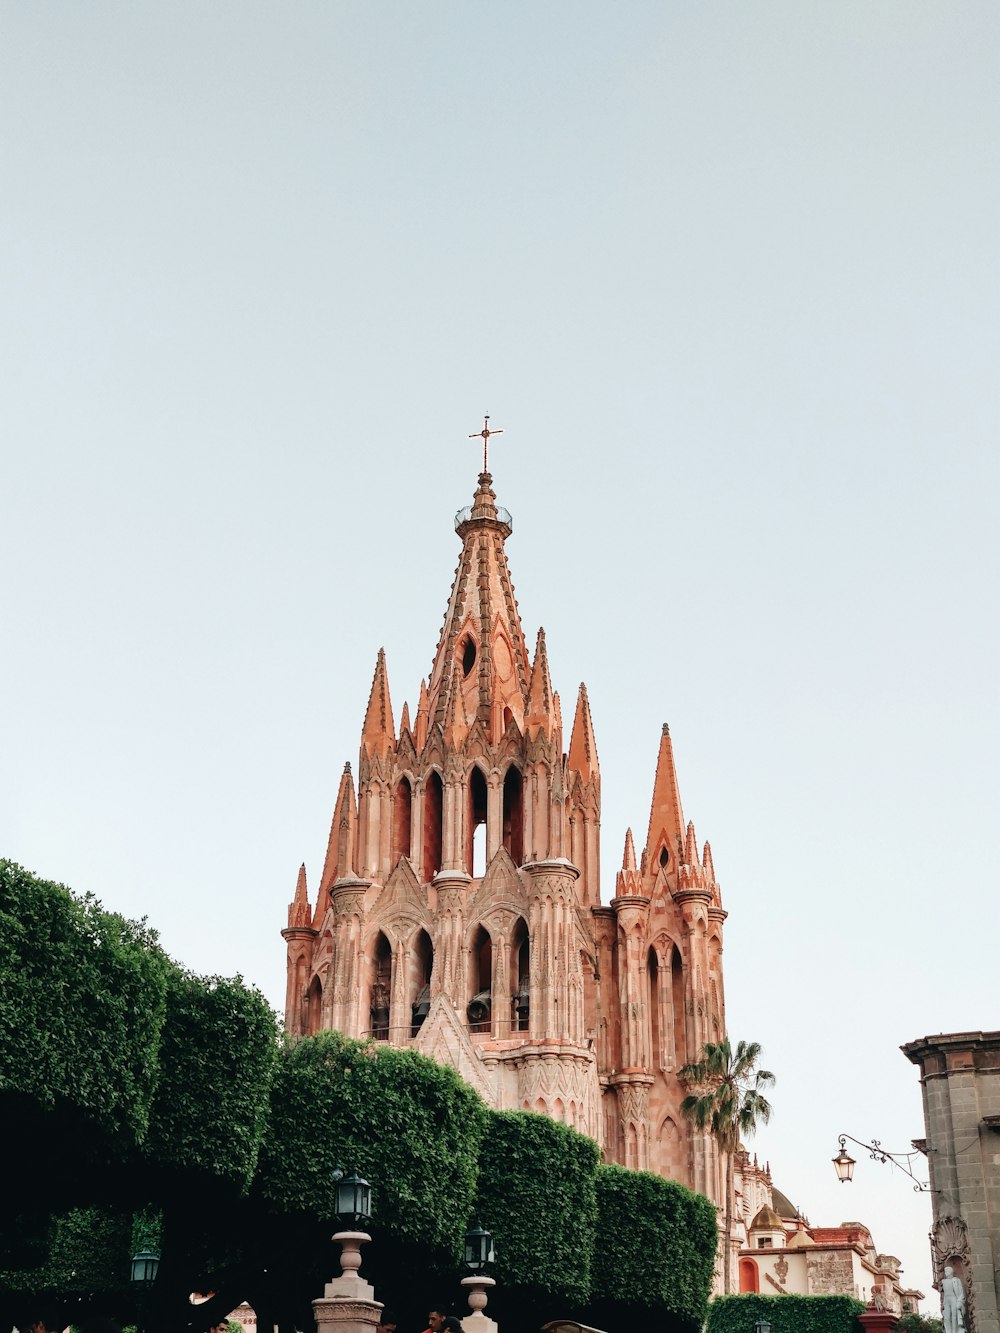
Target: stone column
348, 1302
477, 1322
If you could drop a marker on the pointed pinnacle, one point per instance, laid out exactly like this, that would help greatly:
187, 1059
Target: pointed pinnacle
628, 857
378, 733
301, 894
706, 860
583, 745
666, 820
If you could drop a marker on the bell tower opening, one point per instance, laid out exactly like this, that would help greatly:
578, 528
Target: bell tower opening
655, 1038
475, 849
381, 989
401, 811
421, 965
433, 831
513, 815
520, 953
481, 982
677, 997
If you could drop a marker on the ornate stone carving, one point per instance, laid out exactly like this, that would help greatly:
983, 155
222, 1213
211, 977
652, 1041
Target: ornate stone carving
950, 1245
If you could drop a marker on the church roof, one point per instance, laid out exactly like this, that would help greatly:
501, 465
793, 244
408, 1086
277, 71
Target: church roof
782, 1204
766, 1220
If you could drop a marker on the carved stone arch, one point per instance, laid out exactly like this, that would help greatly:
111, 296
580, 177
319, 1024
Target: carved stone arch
379, 964
406, 751
402, 897
432, 817
432, 756
313, 1005
512, 742
478, 948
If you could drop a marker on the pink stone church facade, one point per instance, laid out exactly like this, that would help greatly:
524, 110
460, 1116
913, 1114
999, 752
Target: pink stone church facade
459, 910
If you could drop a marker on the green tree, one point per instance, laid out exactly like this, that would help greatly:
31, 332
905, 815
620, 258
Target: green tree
729, 1102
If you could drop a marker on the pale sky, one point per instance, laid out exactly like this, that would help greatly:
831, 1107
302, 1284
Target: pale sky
726, 275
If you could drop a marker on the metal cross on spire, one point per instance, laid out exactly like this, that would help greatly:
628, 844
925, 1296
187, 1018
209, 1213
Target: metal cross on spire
484, 435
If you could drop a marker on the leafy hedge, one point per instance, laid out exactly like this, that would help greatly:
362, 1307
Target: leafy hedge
82, 1001
89, 1251
411, 1126
786, 1314
217, 1054
536, 1196
656, 1248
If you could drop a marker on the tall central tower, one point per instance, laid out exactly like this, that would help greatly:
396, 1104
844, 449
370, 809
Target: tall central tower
459, 907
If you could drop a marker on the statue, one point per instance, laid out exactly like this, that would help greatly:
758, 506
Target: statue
952, 1302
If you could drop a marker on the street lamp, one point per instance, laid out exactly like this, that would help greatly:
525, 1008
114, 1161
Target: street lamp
352, 1199
352, 1207
843, 1163
142, 1271
144, 1268
478, 1248
762, 1326
478, 1252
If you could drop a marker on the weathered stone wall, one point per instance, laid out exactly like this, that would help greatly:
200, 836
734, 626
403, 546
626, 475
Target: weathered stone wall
960, 1077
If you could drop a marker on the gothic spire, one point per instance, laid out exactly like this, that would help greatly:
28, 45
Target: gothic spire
540, 718
298, 908
482, 634
666, 819
378, 736
339, 863
420, 725
582, 745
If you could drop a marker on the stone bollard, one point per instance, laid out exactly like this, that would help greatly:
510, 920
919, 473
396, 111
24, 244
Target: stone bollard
477, 1322
347, 1304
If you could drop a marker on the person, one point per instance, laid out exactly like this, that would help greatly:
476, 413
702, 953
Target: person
952, 1302
435, 1319
387, 1322
451, 1325
43, 1319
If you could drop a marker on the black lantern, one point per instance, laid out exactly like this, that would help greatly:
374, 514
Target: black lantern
144, 1268
352, 1199
762, 1326
478, 1248
843, 1163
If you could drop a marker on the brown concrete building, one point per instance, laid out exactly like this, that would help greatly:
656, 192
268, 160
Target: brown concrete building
460, 911
960, 1078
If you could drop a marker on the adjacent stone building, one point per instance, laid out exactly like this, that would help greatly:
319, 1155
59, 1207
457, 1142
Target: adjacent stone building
460, 909
960, 1078
781, 1253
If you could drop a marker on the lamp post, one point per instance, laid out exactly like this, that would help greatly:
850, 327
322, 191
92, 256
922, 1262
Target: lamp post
478, 1252
348, 1302
142, 1274
844, 1163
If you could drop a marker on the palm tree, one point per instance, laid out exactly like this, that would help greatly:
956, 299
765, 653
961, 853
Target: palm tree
729, 1104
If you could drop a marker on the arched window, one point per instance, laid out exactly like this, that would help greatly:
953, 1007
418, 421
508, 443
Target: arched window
419, 989
513, 815
655, 1037
381, 989
677, 1004
481, 982
401, 808
749, 1278
476, 825
314, 1006
520, 954
433, 832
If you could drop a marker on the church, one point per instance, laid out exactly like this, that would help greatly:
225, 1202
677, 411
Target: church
460, 912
